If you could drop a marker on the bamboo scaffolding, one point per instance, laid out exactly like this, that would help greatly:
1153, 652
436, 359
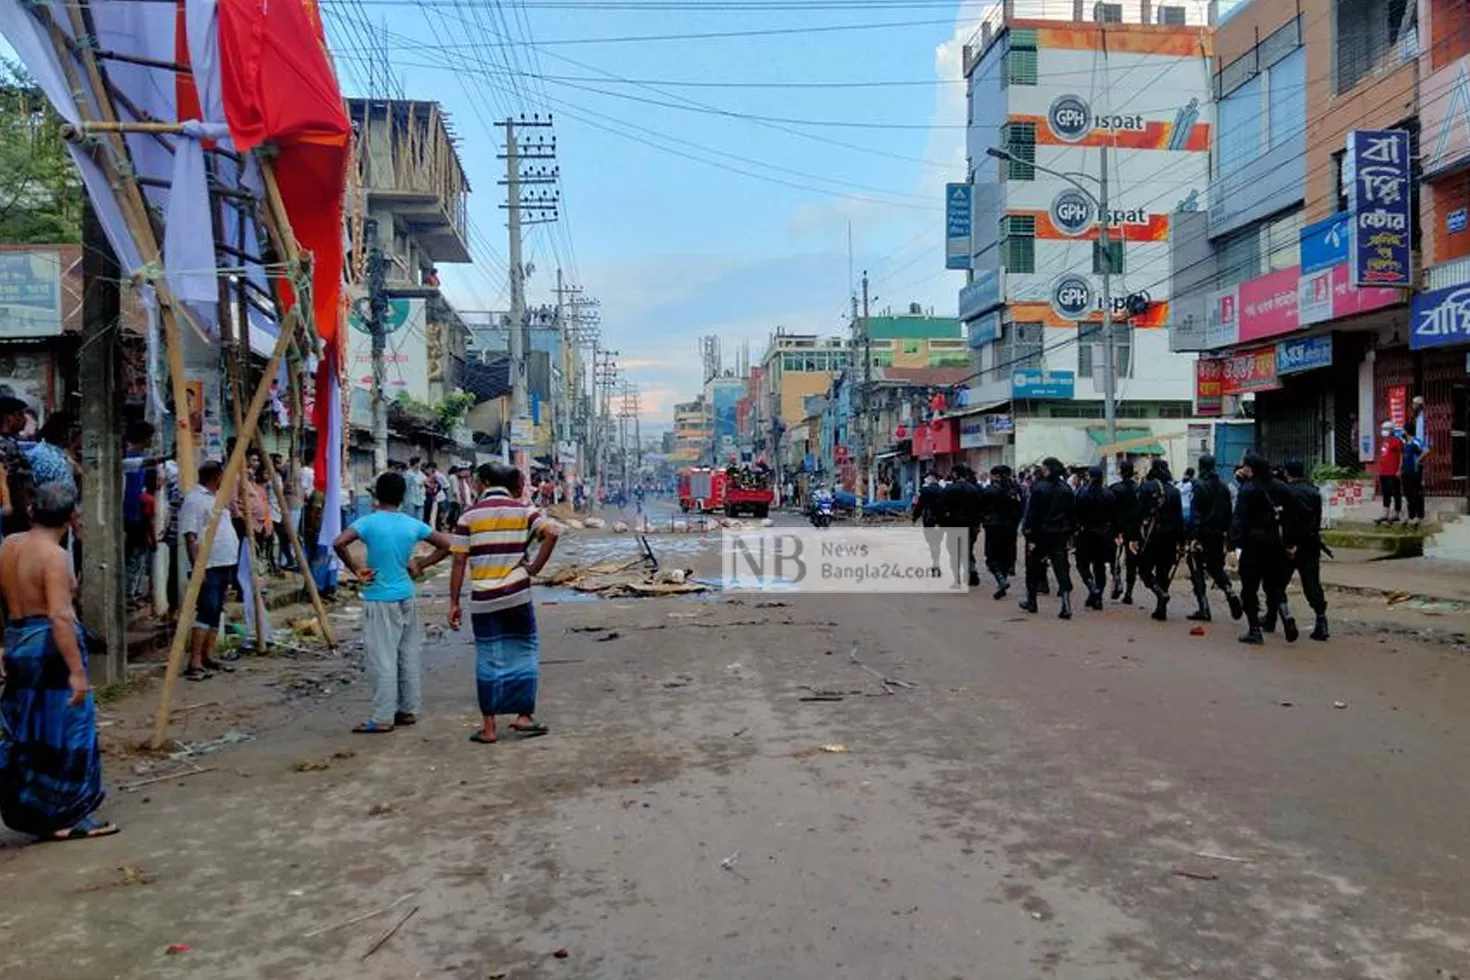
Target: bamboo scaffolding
134, 212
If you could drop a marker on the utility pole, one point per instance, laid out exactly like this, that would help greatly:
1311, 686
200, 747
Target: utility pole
868, 435
541, 206
99, 380
1110, 400
377, 329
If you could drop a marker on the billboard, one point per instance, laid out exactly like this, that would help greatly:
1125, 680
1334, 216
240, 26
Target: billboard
405, 354
30, 293
958, 200
725, 395
1377, 170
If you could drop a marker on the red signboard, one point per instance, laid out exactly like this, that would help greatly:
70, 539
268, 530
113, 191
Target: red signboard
1268, 304
1249, 370
938, 438
1398, 404
1209, 376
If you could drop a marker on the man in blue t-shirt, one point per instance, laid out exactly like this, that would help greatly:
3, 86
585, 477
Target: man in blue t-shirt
393, 638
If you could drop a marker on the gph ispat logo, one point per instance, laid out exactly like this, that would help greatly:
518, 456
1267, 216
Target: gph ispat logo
1070, 118
1071, 297
1072, 212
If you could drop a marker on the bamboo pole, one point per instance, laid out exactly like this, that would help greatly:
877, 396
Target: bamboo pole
135, 213
236, 462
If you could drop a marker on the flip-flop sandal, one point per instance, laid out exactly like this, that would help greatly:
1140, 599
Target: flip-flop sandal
86, 829
197, 674
530, 731
405, 718
480, 737
371, 727
218, 667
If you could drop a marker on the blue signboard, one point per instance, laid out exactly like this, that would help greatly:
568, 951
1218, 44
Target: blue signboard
1303, 354
957, 212
1456, 221
30, 294
1378, 199
1043, 384
981, 295
1440, 318
1324, 244
983, 330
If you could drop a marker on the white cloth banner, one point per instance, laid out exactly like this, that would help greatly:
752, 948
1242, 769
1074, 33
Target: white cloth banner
246, 575
188, 236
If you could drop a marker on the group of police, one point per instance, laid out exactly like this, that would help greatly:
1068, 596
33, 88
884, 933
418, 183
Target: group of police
1142, 531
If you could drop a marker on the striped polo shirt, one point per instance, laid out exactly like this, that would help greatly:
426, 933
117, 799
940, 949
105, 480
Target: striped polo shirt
495, 534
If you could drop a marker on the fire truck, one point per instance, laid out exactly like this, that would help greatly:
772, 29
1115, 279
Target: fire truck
706, 491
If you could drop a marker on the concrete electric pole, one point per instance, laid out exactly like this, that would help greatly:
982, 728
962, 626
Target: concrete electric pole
377, 273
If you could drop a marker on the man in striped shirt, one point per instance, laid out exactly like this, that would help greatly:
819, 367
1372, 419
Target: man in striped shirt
490, 542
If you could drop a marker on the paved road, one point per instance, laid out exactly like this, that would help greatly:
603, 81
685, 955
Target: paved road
1109, 798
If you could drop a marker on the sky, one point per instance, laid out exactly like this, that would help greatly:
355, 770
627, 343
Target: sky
682, 219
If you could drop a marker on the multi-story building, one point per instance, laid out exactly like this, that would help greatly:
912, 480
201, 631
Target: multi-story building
794, 367
693, 428
1058, 87
1333, 201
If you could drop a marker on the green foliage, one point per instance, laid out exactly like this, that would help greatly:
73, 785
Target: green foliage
1328, 473
40, 191
451, 410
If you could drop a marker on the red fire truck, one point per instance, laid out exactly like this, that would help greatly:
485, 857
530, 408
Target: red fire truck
705, 490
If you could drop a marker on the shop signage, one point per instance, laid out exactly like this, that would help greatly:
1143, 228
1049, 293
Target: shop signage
999, 425
1070, 118
1071, 297
972, 432
935, 438
1303, 354
1209, 401
1043, 384
1456, 221
983, 330
1440, 318
1378, 198
1072, 212
1268, 305
957, 225
1398, 404
1329, 294
1222, 325
30, 294
1324, 244
981, 294
1249, 370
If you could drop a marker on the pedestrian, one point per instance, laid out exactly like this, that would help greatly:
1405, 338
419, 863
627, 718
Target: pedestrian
1130, 533
1259, 528
50, 760
15, 467
393, 636
1048, 525
1208, 527
1001, 514
927, 510
1411, 476
1097, 523
963, 505
1390, 465
1186, 493
413, 501
1162, 515
1308, 547
219, 569
489, 547
431, 492
51, 457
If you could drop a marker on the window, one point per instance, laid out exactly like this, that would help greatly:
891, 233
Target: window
1339, 171
1018, 243
1020, 141
1172, 16
1092, 350
1286, 98
1020, 67
1100, 258
1025, 349
1107, 13
882, 358
1238, 256
911, 346
1366, 32
1238, 138
1282, 241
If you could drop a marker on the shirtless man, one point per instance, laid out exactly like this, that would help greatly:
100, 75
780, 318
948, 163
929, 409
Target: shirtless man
51, 765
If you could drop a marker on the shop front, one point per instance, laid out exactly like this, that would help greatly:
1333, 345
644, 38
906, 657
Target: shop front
937, 444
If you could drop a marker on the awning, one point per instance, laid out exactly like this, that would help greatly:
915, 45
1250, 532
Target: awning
1137, 442
977, 409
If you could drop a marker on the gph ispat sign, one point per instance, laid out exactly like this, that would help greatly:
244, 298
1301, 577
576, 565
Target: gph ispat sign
1377, 176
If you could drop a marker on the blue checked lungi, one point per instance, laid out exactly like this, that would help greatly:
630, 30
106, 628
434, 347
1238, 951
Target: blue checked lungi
507, 660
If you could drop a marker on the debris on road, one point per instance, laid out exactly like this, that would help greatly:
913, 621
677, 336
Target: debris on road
1339, 704
174, 949
608, 637
679, 680
835, 748
388, 933
188, 750
728, 864
1196, 875
1212, 856
127, 875
196, 771
1197, 631
360, 917
888, 682
1287, 704
311, 765
561, 954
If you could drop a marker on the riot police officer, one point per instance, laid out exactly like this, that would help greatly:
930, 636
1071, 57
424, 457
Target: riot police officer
1306, 558
1001, 514
1265, 512
1162, 515
1096, 533
963, 505
1048, 526
1209, 526
1130, 533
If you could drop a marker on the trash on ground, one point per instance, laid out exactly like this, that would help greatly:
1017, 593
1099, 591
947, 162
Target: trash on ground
196, 771
1339, 704
360, 917
679, 680
190, 749
728, 864
127, 875
1213, 856
1287, 704
835, 748
609, 637
388, 933
311, 765
1196, 875
1197, 631
174, 949
561, 954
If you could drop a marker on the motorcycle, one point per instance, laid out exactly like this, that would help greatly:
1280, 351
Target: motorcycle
821, 514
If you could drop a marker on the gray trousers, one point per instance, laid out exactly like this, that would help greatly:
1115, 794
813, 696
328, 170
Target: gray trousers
393, 643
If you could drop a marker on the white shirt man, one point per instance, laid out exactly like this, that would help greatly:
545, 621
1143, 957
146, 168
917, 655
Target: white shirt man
194, 519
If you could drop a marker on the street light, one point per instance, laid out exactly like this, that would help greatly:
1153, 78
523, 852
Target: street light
1099, 201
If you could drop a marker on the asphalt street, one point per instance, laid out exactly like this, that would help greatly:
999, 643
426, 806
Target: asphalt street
731, 789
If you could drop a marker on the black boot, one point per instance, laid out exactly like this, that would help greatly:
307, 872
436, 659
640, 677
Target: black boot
1268, 625
1117, 588
1002, 586
1288, 624
1236, 609
1066, 612
1044, 588
1202, 614
1252, 634
1319, 632
1127, 599
1161, 605
1095, 600
1028, 604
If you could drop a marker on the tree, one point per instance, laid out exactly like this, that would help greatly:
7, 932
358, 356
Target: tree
40, 191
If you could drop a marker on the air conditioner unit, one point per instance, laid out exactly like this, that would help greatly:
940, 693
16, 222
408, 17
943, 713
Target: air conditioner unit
1107, 13
1173, 16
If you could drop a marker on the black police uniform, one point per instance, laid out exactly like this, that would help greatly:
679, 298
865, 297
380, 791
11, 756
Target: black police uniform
1130, 529
1048, 527
1096, 532
1162, 514
1209, 522
1307, 559
1001, 514
1265, 512
963, 507
929, 509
